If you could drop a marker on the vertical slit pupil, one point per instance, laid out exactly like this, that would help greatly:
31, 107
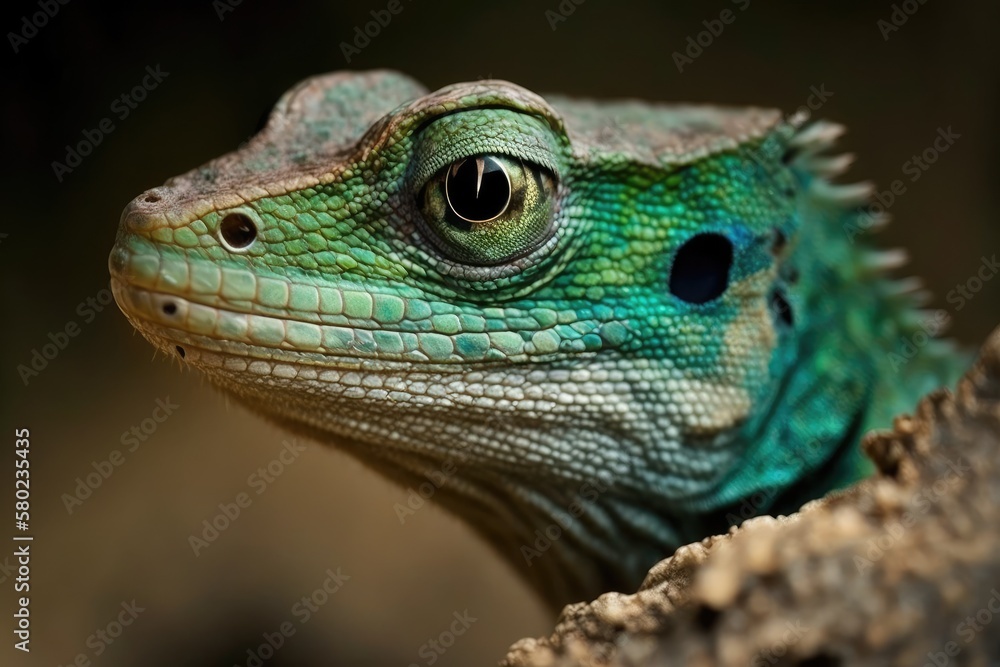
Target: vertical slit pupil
477, 188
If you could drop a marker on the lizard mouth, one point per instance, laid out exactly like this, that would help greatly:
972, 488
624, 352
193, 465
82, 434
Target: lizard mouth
201, 311
187, 304
206, 334
195, 309
184, 303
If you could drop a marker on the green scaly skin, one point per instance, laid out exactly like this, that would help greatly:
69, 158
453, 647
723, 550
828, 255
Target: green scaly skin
585, 418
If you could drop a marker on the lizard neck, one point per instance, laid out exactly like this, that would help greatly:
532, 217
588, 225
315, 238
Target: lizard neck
571, 539
573, 536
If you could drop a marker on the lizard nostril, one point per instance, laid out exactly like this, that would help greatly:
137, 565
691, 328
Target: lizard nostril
146, 211
169, 308
180, 351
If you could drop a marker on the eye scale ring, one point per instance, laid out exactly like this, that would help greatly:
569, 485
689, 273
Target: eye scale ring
477, 189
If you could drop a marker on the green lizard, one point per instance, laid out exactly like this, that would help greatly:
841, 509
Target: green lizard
603, 329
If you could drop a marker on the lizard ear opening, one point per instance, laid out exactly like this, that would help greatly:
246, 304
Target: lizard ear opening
700, 271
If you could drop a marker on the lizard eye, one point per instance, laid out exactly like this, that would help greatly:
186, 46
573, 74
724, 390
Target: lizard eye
238, 232
488, 209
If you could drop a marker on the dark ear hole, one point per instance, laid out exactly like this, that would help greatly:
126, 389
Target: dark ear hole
781, 308
700, 271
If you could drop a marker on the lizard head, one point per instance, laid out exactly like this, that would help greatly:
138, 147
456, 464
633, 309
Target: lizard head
542, 299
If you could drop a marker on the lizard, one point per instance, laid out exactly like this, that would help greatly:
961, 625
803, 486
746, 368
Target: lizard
601, 329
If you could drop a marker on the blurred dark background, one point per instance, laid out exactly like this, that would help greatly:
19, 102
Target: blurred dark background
129, 539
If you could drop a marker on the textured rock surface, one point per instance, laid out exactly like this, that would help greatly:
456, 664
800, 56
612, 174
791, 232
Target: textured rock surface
902, 569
